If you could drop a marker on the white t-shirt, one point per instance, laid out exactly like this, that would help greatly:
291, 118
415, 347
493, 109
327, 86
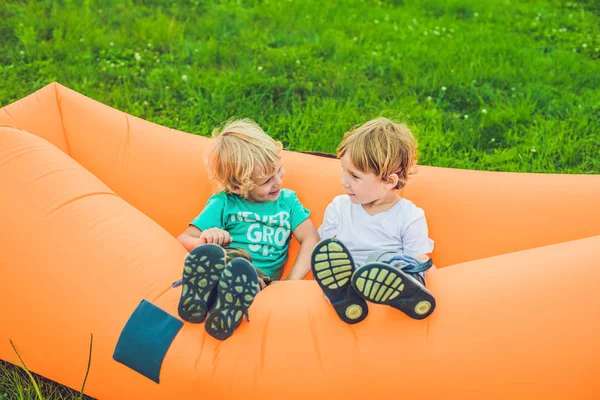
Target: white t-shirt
402, 228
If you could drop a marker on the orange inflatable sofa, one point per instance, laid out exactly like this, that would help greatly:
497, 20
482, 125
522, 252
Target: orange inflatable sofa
92, 200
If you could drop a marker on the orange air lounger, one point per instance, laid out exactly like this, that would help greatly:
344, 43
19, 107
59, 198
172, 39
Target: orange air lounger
91, 199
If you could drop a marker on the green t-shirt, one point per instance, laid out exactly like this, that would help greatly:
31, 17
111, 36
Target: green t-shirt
264, 229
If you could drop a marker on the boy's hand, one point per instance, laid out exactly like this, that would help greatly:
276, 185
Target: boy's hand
216, 236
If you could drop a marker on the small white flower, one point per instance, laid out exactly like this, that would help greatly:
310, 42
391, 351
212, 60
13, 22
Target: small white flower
167, 87
158, 60
437, 33
137, 56
122, 63
111, 44
443, 88
149, 44
21, 52
142, 70
493, 140
259, 68
145, 103
466, 116
184, 77
429, 98
483, 111
476, 15
112, 64
533, 150
584, 45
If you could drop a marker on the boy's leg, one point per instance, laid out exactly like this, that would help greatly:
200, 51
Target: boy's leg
238, 285
238, 252
264, 280
399, 285
201, 272
332, 268
409, 265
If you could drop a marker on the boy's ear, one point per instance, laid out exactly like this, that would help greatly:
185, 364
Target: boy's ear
392, 180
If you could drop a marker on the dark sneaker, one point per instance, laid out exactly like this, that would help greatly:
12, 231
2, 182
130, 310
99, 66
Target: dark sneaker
237, 288
384, 284
201, 272
332, 268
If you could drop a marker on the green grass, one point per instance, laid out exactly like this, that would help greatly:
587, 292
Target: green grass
15, 384
18, 383
309, 70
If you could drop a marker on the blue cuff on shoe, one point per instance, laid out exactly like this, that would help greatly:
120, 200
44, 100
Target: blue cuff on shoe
146, 338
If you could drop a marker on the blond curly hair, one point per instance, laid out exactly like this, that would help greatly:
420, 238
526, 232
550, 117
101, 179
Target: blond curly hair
239, 148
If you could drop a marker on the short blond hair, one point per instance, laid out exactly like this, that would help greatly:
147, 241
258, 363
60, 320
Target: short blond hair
239, 147
382, 147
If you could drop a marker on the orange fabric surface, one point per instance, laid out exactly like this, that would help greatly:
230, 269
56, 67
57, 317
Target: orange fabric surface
92, 199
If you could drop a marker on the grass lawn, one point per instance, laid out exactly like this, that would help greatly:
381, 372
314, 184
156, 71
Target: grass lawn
16, 385
501, 85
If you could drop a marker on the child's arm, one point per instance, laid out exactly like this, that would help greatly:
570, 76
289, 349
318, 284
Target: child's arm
330, 225
194, 237
307, 235
416, 241
209, 219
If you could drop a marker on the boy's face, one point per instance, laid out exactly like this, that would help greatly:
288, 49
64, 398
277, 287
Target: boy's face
267, 188
362, 188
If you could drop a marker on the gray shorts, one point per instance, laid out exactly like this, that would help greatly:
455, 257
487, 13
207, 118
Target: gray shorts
400, 261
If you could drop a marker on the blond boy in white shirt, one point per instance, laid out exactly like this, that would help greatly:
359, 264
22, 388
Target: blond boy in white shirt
374, 243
